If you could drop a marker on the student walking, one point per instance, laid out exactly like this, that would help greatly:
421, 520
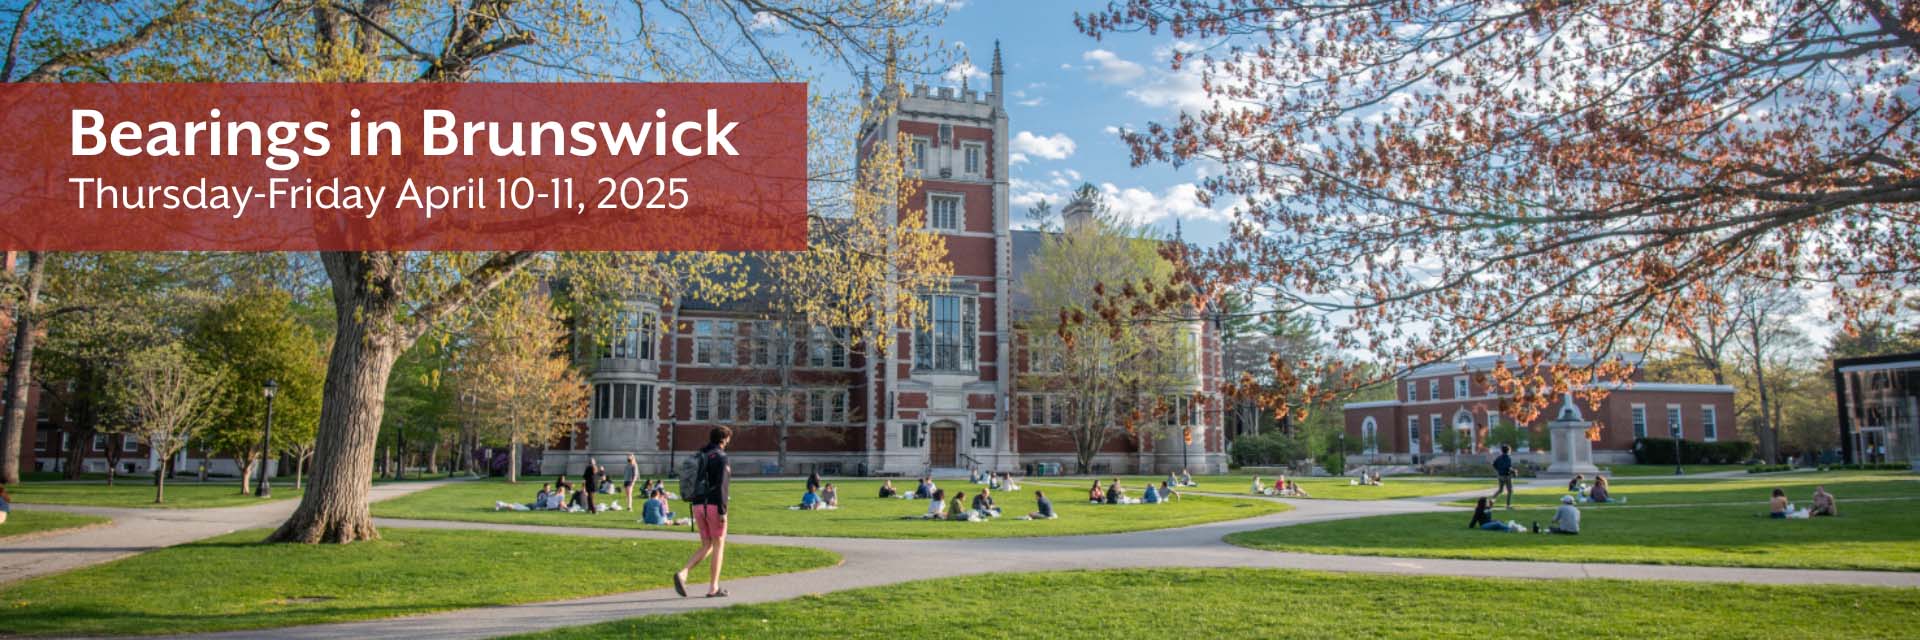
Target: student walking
709, 499
1503, 466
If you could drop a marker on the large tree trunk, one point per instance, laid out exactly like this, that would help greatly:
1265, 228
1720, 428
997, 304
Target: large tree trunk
335, 508
20, 370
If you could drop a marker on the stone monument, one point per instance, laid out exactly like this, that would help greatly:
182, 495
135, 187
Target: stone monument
1572, 451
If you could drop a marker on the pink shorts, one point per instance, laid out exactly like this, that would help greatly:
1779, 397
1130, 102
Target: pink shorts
710, 521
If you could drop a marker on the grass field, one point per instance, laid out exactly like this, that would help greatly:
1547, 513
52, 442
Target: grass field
1646, 470
760, 507
23, 522
235, 582
1392, 488
1705, 522
1740, 490
1256, 603
138, 492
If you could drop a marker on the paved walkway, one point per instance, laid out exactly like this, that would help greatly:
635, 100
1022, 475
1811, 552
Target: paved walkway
136, 530
870, 562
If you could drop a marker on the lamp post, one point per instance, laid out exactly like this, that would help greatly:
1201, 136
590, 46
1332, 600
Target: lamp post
266, 442
1677, 469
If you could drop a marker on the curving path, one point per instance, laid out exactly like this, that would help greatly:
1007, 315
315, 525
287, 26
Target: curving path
138, 530
870, 562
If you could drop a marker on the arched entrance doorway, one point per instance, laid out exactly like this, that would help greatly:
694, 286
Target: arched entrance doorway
1466, 432
943, 444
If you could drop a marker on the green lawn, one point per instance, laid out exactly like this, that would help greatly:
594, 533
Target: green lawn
23, 522
138, 492
1391, 488
1880, 533
1740, 490
1644, 470
235, 582
1266, 603
760, 507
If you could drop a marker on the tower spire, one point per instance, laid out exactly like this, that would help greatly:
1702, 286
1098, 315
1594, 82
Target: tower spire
996, 58
999, 95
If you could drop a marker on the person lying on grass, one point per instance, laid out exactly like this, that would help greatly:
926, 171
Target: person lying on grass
1823, 503
655, 511
1483, 517
1043, 508
539, 502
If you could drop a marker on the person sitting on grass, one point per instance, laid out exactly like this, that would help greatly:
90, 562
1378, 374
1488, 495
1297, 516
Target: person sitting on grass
1172, 478
1566, 520
1186, 479
813, 481
1778, 507
926, 489
1043, 508
1258, 489
983, 504
809, 501
1167, 494
1151, 495
1376, 478
1294, 489
561, 485
829, 497
936, 505
1007, 483
887, 490
1096, 495
6, 504
956, 510
655, 511
1823, 503
1483, 517
1115, 494
1600, 492
1577, 485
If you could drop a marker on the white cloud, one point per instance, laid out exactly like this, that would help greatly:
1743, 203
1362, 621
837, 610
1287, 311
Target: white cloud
1107, 67
1140, 206
1180, 90
1016, 158
1111, 130
963, 69
763, 21
1054, 147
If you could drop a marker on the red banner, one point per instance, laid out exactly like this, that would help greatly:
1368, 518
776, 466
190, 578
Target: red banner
401, 167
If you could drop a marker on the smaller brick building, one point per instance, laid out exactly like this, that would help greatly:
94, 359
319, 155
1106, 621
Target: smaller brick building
1460, 396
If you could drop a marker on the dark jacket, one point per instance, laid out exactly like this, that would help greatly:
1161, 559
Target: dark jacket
1503, 465
719, 475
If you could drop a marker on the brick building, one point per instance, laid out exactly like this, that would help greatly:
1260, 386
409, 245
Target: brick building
946, 396
1460, 396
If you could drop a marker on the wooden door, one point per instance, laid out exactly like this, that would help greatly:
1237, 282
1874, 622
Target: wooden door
945, 446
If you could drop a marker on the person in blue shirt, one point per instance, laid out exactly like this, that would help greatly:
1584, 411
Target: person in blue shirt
1150, 496
1503, 466
809, 501
1043, 507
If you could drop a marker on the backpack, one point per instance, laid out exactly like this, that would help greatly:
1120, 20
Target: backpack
693, 477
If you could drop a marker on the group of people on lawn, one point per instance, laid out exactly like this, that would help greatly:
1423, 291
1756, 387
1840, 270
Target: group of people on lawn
819, 495
1566, 518
562, 495
1281, 487
1116, 494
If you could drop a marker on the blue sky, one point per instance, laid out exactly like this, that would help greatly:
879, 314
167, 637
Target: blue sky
1067, 94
